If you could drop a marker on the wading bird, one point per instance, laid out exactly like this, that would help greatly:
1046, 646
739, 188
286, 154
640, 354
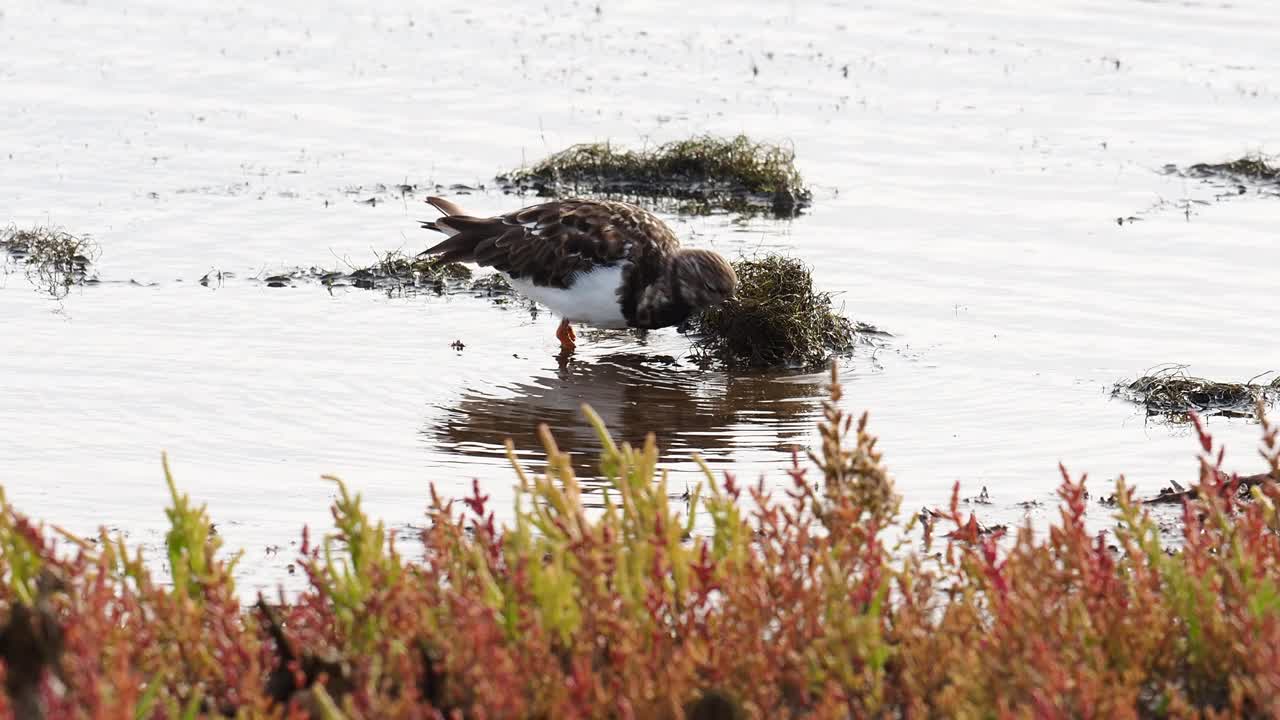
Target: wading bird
600, 263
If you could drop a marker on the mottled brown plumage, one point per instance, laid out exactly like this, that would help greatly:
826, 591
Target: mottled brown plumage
556, 244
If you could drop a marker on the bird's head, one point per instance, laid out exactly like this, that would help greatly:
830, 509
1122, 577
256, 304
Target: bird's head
705, 278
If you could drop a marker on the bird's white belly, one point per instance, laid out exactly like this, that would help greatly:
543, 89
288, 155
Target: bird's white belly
592, 299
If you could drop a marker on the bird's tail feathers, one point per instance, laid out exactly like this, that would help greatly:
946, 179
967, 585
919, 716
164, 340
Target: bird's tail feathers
465, 233
446, 207
447, 210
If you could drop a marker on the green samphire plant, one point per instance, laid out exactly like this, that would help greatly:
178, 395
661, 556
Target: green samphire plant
809, 597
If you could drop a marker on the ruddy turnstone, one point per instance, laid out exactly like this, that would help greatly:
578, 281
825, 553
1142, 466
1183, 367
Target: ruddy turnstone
606, 264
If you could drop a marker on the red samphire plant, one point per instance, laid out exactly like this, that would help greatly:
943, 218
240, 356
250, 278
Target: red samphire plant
809, 602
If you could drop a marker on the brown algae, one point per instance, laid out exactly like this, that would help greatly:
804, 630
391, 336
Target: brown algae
55, 260
1171, 394
1255, 168
775, 318
706, 174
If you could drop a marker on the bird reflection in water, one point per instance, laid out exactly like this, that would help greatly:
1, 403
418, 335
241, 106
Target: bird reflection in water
717, 415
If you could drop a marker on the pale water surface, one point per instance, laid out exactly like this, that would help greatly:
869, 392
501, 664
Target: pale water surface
969, 166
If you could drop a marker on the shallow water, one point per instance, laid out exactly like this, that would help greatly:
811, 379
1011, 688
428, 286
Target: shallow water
969, 168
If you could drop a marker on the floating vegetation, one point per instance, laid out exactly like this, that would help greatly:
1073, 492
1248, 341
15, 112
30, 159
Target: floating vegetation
1171, 394
1255, 168
704, 174
381, 193
1236, 177
776, 318
54, 260
397, 266
1175, 493
394, 273
492, 285
964, 530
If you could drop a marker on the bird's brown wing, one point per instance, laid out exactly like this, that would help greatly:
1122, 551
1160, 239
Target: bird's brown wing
547, 244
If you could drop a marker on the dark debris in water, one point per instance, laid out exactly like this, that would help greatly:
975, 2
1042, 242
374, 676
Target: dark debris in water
1255, 168
393, 272
701, 175
775, 319
982, 498
377, 193
1237, 177
492, 285
1170, 394
54, 260
1176, 494
970, 530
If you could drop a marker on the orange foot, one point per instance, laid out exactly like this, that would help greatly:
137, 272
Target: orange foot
567, 337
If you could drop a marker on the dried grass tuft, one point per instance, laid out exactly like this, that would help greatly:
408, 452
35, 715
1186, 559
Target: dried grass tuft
1170, 393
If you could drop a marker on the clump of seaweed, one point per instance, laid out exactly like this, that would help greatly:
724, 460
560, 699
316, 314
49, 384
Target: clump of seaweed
492, 285
392, 271
1256, 168
706, 173
775, 318
396, 268
1170, 393
55, 260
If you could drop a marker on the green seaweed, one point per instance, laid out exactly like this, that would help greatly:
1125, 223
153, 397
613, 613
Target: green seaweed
392, 271
702, 174
775, 318
1255, 168
492, 285
397, 268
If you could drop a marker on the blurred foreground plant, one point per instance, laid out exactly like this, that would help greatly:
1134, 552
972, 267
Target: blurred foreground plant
810, 599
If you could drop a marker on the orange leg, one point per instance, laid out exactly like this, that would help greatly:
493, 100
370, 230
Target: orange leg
567, 337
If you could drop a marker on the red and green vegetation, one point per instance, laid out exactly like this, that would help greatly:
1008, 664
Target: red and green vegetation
817, 600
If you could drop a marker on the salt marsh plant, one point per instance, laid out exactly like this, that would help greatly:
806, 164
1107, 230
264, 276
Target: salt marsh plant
780, 601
